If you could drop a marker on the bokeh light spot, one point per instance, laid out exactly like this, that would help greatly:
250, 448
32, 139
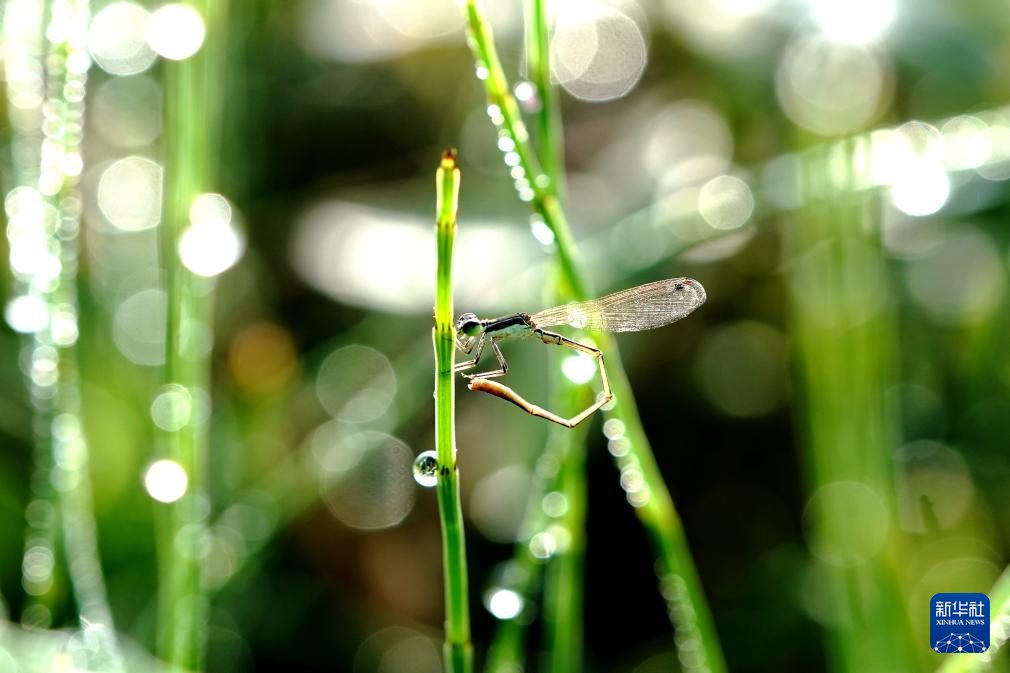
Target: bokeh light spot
846, 523
172, 408
26, 314
543, 545
356, 32
922, 190
175, 31
138, 327
116, 39
166, 481
598, 52
129, 193
856, 21
961, 281
555, 504
497, 503
934, 489
126, 111
504, 603
377, 491
741, 368
356, 384
726, 202
828, 87
967, 143
579, 368
212, 243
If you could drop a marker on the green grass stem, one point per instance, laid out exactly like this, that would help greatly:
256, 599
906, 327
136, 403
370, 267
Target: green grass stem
654, 506
564, 579
191, 144
548, 116
845, 341
458, 650
564, 575
69, 444
61, 512
24, 42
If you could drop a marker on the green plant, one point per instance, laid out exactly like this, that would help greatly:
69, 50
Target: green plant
458, 649
845, 341
45, 209
191, 151
654, 506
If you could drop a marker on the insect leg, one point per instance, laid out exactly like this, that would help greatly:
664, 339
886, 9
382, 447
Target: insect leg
470, 364
464, 344
605, 396
503, 366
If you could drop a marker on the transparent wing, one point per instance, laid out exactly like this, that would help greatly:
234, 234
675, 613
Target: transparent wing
633, 310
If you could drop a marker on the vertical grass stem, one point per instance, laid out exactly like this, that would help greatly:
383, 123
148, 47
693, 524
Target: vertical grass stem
681, 585
458, 651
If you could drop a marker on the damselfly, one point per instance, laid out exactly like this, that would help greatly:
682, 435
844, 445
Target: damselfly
639, 308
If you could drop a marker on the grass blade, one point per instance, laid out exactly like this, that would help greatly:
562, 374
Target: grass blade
46, 213
681, 586
564, 580
844, 341
191, 143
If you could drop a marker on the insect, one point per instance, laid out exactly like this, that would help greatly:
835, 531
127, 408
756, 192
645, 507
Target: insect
633, 310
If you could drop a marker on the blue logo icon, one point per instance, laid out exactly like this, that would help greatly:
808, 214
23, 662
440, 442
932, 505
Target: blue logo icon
959, 623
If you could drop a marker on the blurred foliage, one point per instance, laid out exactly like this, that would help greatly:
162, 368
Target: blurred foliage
324, 554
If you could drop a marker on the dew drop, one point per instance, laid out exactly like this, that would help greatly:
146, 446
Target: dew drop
426, 469
543, 233
543, 545
503, 603
527, 96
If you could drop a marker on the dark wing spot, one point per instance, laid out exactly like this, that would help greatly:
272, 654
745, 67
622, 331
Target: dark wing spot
679, 286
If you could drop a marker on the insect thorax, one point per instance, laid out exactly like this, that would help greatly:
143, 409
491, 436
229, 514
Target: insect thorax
509, 327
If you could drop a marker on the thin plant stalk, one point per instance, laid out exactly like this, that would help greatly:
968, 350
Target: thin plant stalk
69, 444
681, 587
190, 141
548, 115
555, 530
458, 650
535, 186
45, 211
25, 50
564, 580
524, 573
845, 343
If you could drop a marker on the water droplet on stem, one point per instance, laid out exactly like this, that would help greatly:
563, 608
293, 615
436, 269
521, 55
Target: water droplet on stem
426, 469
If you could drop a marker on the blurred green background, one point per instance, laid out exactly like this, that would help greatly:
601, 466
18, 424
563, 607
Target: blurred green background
832, 424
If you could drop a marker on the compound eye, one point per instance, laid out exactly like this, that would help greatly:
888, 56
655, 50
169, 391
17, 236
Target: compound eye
468, 324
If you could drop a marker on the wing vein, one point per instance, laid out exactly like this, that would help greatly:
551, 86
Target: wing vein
635, 309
